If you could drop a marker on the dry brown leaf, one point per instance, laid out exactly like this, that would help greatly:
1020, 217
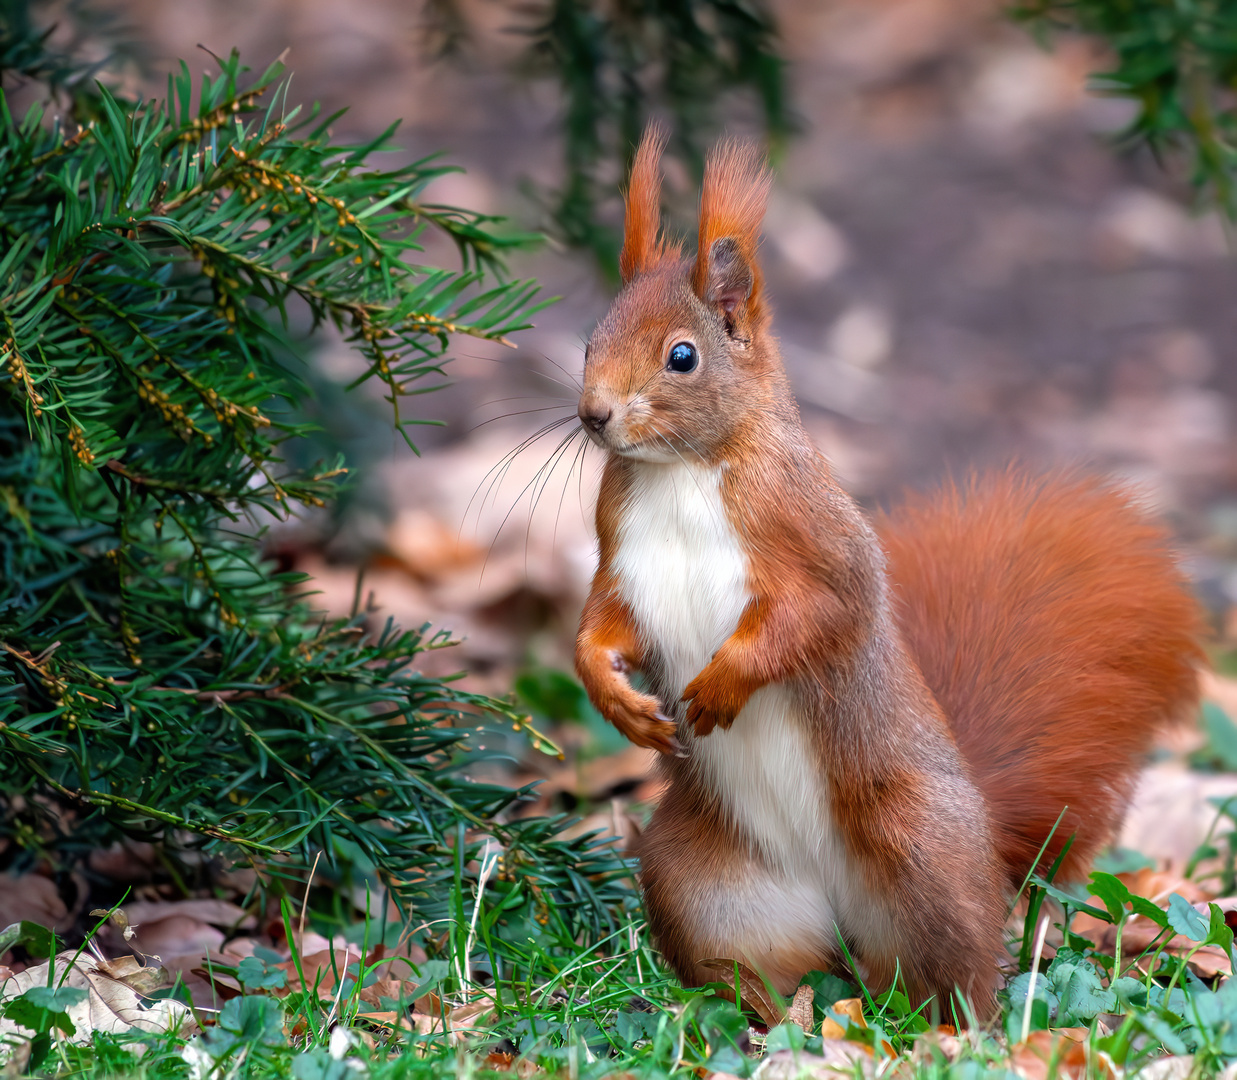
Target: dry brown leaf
1159, 885
177, 935
225, 986
310, 942
426, 548
18, 1059
1208, 962
396, 1021
752, 989
130, 863
117, 918
1063, 1050
600, 777
944, 1041
394, 989
1178, 1067
397, 963
472, 1013
1171, 813
1139, 932
831, 1029
238, 948
800, 1011
461, 1019
215, 912
836, 1056
430, 1004
319, 969
31, 898
130, 971
110, 1005
852, 1008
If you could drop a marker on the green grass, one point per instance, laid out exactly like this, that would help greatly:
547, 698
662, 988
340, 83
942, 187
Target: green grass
611, 1007
505, 987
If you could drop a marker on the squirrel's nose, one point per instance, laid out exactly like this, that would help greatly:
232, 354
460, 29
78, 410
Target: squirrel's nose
594, 414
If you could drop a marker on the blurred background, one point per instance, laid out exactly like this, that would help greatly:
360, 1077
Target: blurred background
966, 269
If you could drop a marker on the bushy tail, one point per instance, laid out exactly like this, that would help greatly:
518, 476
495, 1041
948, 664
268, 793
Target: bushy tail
1050, 621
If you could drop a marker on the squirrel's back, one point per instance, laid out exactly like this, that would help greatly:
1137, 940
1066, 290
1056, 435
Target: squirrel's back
1051, 622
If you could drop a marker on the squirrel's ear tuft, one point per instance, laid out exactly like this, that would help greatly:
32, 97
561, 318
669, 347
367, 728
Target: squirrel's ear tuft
732, 207
643, 244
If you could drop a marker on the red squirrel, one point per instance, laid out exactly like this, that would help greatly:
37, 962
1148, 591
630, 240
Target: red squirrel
868, 731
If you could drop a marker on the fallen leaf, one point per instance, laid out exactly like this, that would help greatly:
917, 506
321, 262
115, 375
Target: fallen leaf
18, 1059
852, 1008
930, 1043
130, 971
318, 970
1177, 1067
752, 989
831, 1029
215, 912
472, 1013
800, 1011
1139, 932
426, 548
1170, 814
117, 918
397, 1021
176, 935
130, 862
225, 986
31, 898
837, 1056
110, 1005
394, 963
499, 1060
239, 948
1058, 1053
392, 989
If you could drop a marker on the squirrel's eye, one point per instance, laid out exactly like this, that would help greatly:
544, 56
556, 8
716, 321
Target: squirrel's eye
682, 357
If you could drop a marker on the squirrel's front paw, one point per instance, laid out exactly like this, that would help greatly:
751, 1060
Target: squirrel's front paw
640, 719
710, 703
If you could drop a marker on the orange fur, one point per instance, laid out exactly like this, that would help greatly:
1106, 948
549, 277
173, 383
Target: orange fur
732, 205
1050, 622
608, 647
1014, 653
643, 245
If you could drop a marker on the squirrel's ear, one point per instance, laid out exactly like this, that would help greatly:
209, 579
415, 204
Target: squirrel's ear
643, 245
732, 206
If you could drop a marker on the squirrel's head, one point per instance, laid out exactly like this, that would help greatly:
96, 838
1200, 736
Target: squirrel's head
683, 356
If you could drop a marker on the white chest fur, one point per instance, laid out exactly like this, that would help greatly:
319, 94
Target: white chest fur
683, 574
680, 567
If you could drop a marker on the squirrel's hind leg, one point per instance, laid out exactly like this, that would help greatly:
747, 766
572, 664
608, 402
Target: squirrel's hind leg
709, 897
